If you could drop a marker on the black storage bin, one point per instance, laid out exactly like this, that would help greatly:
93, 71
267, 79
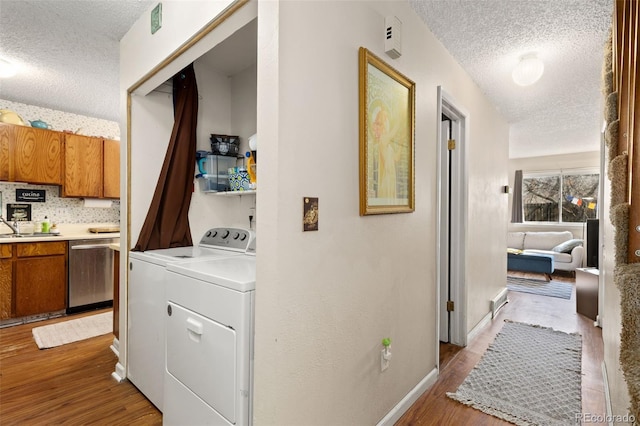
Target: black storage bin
225, 145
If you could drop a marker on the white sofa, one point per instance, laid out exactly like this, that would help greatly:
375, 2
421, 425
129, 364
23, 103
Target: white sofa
567, 252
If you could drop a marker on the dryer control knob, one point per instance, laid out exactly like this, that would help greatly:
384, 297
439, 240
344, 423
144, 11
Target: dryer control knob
225, 235
236, 235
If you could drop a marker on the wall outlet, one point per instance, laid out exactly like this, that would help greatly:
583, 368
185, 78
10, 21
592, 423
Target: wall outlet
384, 360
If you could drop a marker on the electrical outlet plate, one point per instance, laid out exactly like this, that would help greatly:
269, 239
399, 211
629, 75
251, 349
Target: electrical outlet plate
384, 363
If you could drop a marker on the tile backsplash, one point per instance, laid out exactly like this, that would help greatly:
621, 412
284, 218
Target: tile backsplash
60, 210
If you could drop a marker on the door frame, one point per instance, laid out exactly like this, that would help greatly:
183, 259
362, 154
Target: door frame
447, 105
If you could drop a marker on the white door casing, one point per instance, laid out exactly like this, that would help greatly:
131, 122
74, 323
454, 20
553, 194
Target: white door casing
451, 236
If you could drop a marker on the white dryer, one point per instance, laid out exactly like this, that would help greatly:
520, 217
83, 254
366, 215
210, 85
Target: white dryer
209, 322
147, 303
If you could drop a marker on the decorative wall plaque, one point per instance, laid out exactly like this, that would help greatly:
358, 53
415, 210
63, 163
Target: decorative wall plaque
31, 195
19, 212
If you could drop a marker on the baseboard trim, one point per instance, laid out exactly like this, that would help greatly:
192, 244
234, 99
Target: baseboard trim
396, 412
607, 394
115, 347
119, 373
478, 328
499, 301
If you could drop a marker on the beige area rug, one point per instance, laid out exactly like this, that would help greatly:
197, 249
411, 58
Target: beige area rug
530, 375
53, 335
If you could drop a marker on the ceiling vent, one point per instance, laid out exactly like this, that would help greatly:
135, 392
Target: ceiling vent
393, 37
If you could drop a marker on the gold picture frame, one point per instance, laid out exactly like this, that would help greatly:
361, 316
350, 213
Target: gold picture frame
387, 126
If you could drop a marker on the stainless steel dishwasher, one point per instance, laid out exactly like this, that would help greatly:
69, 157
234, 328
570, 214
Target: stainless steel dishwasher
90, 274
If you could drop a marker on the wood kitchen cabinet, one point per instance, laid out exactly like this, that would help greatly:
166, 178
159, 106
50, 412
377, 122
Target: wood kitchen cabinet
40, 278
91, 167
6, 281
30, 155
6, 162
82, 166
111, 169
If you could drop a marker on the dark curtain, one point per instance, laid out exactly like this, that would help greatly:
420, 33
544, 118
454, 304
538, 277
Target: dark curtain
167, 222
516, 207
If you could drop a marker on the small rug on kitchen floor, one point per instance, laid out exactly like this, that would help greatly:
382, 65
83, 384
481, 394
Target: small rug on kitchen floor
49, 336
541, 287
529, 375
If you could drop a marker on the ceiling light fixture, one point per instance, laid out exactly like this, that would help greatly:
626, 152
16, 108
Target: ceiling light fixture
7, 69
528, 71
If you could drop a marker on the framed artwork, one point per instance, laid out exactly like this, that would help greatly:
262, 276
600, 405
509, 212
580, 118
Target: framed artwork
387, 122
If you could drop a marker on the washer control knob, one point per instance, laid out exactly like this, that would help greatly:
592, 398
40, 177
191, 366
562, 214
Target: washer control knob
226, 234
236, 235
243, 237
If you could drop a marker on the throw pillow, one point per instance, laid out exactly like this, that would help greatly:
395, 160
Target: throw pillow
567, 246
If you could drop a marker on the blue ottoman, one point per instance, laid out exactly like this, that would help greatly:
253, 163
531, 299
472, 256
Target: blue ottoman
541, 263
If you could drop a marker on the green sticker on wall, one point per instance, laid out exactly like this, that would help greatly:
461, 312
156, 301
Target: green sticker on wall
156, 18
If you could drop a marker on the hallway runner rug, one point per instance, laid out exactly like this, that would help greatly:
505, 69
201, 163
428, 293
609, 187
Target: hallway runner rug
61, 333
529, 375
540, 287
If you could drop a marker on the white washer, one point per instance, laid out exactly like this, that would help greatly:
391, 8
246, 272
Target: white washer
147, 303
209, 322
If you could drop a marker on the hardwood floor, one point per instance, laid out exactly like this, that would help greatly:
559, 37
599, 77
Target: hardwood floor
69, 384
435, 408
72, 384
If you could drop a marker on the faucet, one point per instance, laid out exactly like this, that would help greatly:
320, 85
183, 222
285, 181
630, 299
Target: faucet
13, 227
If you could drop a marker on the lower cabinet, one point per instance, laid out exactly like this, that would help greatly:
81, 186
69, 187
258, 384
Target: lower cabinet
38, 274
6, 281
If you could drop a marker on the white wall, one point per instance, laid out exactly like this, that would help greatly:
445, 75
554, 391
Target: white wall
579, 160
326, 299
181, 20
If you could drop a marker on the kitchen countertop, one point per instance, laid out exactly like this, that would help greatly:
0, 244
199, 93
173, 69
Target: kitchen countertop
68, 232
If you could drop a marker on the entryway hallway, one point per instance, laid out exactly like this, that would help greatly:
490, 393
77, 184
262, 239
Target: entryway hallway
435, 408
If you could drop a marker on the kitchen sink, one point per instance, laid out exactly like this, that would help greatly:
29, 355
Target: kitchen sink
37, 234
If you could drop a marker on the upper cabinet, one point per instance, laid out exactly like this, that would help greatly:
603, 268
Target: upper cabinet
84, 166
6, 165
111, 169
30, 155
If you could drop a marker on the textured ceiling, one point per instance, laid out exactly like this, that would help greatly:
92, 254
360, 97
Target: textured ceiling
68, 54
67, 51
562, 112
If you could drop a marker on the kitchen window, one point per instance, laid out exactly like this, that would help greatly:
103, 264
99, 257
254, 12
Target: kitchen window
560, 196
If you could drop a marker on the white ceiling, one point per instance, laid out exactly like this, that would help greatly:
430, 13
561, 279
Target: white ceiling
68, 54
562, 112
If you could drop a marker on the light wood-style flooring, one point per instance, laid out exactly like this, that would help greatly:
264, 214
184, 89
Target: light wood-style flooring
72, 384
435, 408
66, 385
